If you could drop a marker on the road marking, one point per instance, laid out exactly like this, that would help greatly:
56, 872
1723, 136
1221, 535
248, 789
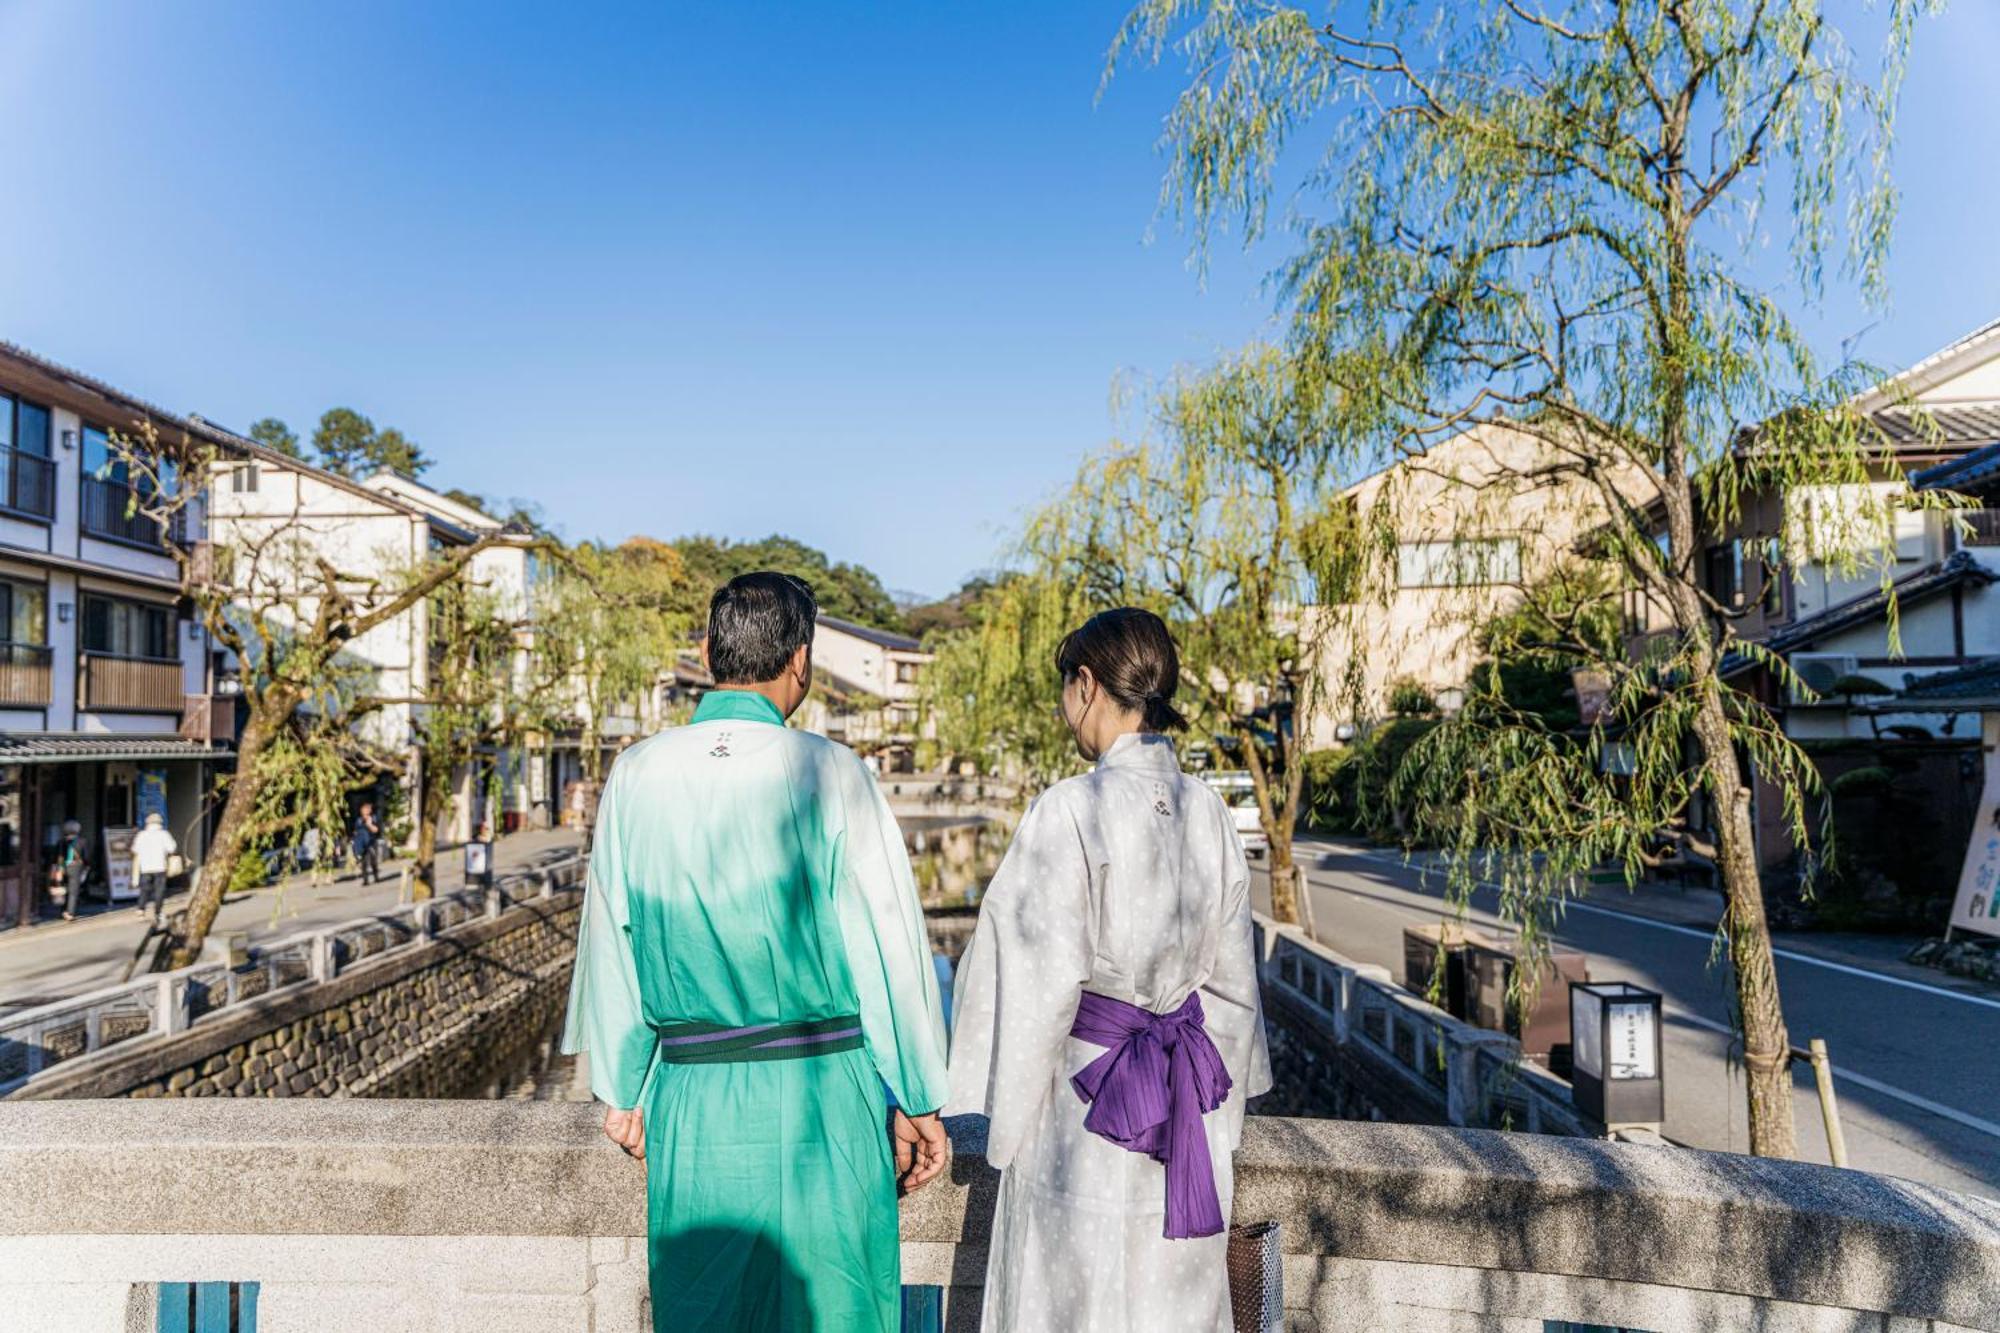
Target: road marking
1840, 1073
1572, 905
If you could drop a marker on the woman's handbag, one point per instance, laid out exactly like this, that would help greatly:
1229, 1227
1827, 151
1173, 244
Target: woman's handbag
1257, 1278
176, 865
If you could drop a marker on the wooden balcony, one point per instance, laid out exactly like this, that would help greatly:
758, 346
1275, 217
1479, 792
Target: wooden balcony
129, 684
209, 718
24, 675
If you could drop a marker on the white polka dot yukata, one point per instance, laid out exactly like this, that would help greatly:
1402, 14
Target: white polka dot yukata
1128, 881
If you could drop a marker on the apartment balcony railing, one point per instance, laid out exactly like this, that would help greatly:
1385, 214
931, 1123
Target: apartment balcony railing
130, 684
24, 674
110, 511
27, 484
209, 718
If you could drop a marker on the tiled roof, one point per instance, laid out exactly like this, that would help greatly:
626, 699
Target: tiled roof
1978, 473
881, 638
1957, 568
207, 430
1956, 423
1980, 680
43, 747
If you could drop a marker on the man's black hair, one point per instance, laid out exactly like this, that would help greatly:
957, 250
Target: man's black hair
755, 623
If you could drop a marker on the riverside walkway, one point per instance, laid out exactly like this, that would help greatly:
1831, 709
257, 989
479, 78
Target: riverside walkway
63, 958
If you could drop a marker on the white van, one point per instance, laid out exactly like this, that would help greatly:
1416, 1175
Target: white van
1239, 793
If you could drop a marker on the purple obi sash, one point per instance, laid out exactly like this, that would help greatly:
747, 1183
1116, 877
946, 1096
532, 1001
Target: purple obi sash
1148, 1093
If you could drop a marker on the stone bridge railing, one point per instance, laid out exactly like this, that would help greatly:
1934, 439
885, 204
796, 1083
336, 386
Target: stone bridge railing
424, 1215
1352, 1042
70, 1033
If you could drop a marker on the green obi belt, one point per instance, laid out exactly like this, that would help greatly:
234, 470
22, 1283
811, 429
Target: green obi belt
714, 1044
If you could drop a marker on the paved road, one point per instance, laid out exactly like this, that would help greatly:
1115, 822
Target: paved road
1916, 1055
68, 958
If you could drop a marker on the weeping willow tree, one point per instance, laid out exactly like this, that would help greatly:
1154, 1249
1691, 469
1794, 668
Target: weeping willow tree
992, 688
1226, 526
278, 590
611, 621
1551, 213
492, 688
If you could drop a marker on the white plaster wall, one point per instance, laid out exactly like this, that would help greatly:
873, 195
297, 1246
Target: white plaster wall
852, 659
358, 535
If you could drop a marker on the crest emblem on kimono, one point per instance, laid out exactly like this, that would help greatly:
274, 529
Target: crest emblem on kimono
721, 750
1160, 799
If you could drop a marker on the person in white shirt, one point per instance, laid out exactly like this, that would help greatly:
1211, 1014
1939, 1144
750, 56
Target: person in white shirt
151, 847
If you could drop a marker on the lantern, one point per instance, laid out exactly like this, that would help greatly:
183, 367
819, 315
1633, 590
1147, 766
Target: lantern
1616, 1053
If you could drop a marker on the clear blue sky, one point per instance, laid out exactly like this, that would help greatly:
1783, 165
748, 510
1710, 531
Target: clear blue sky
860, 273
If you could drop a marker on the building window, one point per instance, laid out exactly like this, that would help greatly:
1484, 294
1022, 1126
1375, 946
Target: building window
24, 613
24, 426
906, 673
98, 459
243, 478
1722, 573
116, 628
1460, 564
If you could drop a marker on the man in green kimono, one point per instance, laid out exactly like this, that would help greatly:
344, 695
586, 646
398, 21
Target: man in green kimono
752, 970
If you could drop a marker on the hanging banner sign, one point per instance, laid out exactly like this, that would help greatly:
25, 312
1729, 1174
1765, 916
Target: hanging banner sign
1978, 905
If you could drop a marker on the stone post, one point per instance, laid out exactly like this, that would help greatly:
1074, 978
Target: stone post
169, 1014
1346, 995
1462, 1093
319, 949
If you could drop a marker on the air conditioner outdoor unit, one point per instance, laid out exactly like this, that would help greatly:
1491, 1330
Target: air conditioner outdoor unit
1819, 671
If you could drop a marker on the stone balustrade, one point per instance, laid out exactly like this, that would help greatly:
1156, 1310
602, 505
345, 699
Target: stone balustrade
72, 1034
518, 1215
1348, 1041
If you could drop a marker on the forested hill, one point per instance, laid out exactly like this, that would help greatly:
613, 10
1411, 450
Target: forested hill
846, 592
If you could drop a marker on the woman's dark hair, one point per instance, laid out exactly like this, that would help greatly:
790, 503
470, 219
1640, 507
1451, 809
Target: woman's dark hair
755, 623
1133, 657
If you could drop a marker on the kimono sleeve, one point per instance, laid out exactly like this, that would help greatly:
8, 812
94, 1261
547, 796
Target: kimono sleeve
606, 1019
1232, 1003
1022, 977
888, 948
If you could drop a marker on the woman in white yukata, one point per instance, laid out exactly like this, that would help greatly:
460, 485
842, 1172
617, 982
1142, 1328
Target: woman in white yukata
1107, 1019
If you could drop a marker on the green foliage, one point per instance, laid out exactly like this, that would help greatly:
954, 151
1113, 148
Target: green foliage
276, 435
249, 873
846, 592
609, 621
1408, 698
348, 443
949, 615
1332, 791
993, 687
1549, 220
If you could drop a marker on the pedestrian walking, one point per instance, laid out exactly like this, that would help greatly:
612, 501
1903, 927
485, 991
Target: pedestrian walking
152, 846
368, 843
69, 869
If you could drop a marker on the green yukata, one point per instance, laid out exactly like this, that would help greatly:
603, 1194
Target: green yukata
752, 969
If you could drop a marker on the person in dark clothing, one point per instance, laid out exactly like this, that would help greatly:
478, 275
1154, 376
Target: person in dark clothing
368, 843
69, 870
